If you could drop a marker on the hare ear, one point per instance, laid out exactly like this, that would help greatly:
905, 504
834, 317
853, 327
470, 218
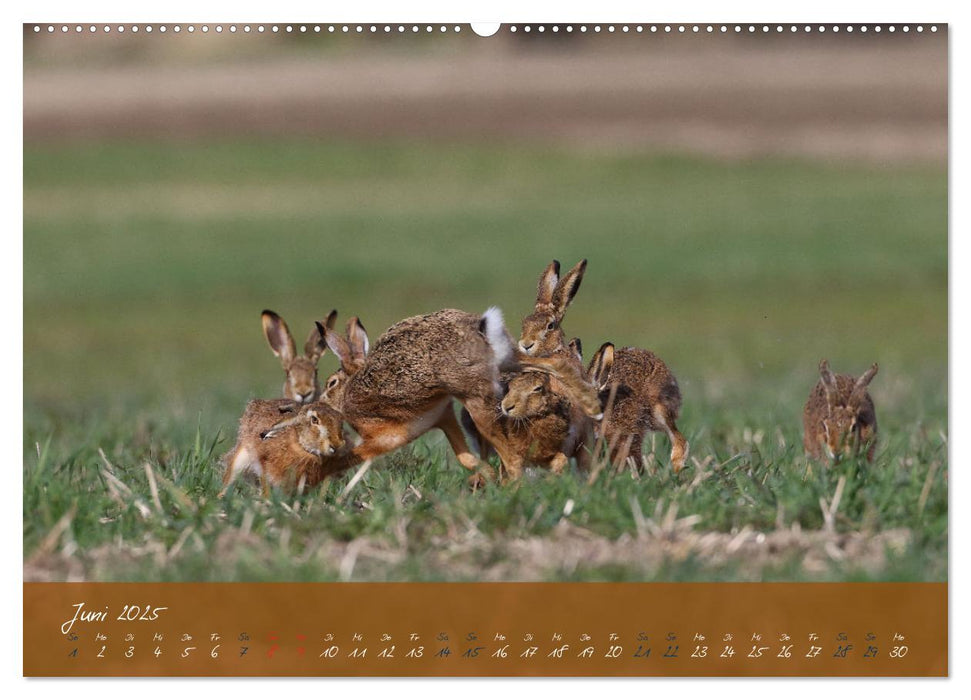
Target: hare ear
315, 345
358, 339
859, 389
280, 427
338, 346
577, 347
829, 380
567, 288
278, 336
600, 365
547, 284
331, 319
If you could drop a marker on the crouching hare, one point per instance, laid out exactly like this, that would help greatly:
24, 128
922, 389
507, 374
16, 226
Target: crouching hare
284, 444
839, 419
639, 393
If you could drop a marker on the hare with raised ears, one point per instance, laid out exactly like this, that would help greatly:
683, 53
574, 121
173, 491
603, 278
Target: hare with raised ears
413, 372
351, 350
542, 335
284, 444
639, 393
839, 419
301, 383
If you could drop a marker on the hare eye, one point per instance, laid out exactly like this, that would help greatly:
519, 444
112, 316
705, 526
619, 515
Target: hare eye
537, 389
551, 325
332, 383
314, 419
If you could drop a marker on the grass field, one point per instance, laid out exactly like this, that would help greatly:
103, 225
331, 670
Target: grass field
146, 266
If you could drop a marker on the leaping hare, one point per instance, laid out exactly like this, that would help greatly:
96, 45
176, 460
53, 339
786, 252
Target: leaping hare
839, 418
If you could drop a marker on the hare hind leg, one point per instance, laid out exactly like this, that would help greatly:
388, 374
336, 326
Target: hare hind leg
679, 446
481, 445
482, 414
456, 438
242, 460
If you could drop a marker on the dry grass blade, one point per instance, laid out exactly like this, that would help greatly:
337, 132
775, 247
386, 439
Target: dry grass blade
104, 458
118, 490
49, 543
346, 569
153, 487
640, 522
180, 542
829, 511
358, 475
178, 494
926, 490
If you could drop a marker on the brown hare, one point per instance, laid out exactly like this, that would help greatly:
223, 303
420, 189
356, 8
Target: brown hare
284, 444
542, 335
417, 367
301, 383
639, 393
534, 424
839, 419
351, 350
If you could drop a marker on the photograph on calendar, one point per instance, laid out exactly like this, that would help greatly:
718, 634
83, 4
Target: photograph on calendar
403, 303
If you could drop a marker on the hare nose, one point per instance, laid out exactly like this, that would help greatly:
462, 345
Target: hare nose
305, 398
507, 409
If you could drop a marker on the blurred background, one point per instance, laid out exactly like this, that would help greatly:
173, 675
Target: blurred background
748, 205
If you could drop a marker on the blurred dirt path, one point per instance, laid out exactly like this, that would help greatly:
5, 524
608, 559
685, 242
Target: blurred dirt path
874, 98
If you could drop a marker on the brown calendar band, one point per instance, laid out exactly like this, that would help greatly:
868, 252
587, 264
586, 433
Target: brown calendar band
485, 629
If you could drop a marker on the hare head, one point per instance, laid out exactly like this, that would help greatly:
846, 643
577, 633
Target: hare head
562, 377
527, 395
318, 429
542, 335
351, 351
301, 370
841, 423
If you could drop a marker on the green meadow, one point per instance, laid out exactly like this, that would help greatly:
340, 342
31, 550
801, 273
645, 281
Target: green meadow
146, 266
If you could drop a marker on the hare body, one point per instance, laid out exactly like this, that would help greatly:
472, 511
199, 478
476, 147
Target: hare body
640, 394
301, 383
405, 386
536, 423
284, 444
839, 418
